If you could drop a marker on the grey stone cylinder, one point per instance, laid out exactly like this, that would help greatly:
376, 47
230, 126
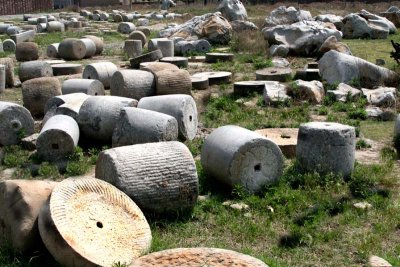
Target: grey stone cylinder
184, 47
41, 27
42, 19
90, 47
140, 126
72, 49
102, 71
181, 107
138, 35
4, 27
52, 51
58, 138
153, 43
55, 26
34, 69
9, 45
98, 42
99, 114
133, 83
12, 30
166, 47
15, 123
68, 105
2, 78
159, 177
104, 16
127, 17
173, 81
237, 156
133, 48
86, 86
326, 147
27, 51
202, 46
126, 27
32, 21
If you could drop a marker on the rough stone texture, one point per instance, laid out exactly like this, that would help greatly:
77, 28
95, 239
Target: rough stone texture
52, 51
344, 93
166, 47
72, 49
86, 86
133, 48
159, 177
278, 51
336, 20
245, 88
90, 47
9, 63
15, 122
397, 127
2, 78
233, 10
215, 57
311, 91
326, 147
138, 35
88, 222
98, 116
237, 156
98, 42
9, 45
184, 47
181, 107
197, 257
200, 83
331, 43
302, 38
202, 46
58, 138
126, 27
338, 67
286, 15
69, 105
140, 126
172, 81
375, 261
27, 51
133, 83
102, 71
180, 62
392, 15
26, 36
285, 138
36, 92
274, 74
55, 26
148, 57
155, 67
275, 93
381, 96
215, 77
20, 204
29, 142
66, 69
240, 26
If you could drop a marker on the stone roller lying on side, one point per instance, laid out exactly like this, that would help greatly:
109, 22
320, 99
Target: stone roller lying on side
159, 177
126, 27
139, 126
102, 71
86, 86
133, 83
181, 107
58, 138
237, 156
52, 50
90, 47
173, 81
72, 49
15, 122
27, 51
9, 45
55, 26
34, 69
98, 42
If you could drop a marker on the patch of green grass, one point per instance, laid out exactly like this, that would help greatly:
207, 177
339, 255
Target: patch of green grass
78, 164
323, 110
47, 170
262, 63
360, 144
6, 54
15, 156
195, 146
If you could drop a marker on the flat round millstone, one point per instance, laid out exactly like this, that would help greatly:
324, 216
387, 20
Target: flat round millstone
285, 138
181, 62
244, 88
200, 83
88, 222
274, 74
148, 57
215, 77
66, 69
197, 257
215, 57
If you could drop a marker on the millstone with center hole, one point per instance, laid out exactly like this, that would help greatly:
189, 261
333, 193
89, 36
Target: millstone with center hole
274, 74
88, 222
181, 62
248, 87
66, 69
215, 57
216, 77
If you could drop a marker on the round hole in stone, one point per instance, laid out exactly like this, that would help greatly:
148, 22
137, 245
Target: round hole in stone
190, 118
99, 225
257, 167
15, 124
95, 93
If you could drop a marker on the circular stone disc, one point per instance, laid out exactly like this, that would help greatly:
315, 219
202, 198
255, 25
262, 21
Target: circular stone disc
181, 62
197, 257
200, 83
215, 77
274, 74
214, 57
99, 224
66, 69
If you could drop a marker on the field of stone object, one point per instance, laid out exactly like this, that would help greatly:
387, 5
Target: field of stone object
307, 219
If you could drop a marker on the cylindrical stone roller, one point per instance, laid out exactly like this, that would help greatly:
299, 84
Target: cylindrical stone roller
140, 126
72, 49
102, 71
200, 83
202, 46
184, 47
41, 27
153, 43
173, 82
90, 47
4, 27
145, 30
55, 26
159, 177
88, 222
143, 22
99, 114
66, 69
133, 48
36, 92
326, 147
12, 30
237, 156
127, 17
9, 45
9, 63
71, 99
34, 69
58, 138
138, 35
52, 51
117, 18
104, 16
71, 108
133, 84
29, 27
2, 78
166, 47
126, 27
27, 51
96, 17
33, 21
181, 107
42, 19
16, 122
98, 42
86, 86
155, 67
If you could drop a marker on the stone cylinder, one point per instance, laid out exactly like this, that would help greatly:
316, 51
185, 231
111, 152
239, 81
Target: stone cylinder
42, 19
4, 27
27, 51
104, 16
34, 69
55, 26
98, 42
69, 105
90, 47
16, 122
2, 78
140, 126
9, 45
326, 147
181, 107
159, 177
133, 48
102, 71
9, 63
126, 27
173, 81
99, 114
202, 46
166, 47
13, 30
184, 47
117, 18
134, 84
58, 138
72, 49
143, 22
153, 43
138, 35
41, 27
145, 30
155, 67
86, 86
32, 21
52, 51
127, 17
237, 156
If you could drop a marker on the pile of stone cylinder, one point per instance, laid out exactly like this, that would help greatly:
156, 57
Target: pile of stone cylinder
123, 16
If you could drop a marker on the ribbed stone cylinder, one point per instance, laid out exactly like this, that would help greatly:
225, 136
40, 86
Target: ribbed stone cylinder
90, 47
237, 156
72, 49
126, 27
172, 81
58, 138
15, 122
166, 47
133, 83
155, 67
326, 147
34, 69
99, 114
27, 51
98, 42
86, 86
181, 107
159, 177
140, 126
52, 51
102, 71
133, 48
2, 78
9, 45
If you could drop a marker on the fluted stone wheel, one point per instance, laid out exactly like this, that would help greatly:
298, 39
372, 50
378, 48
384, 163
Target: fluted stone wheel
86, 86
181, 62
27, 51
200, 83
135, 84
155, 67
66, 69
237, 156
197, 257
88, 222
216, 77
15, 122
52, 51
102, 71
245, 88
173, 82
98, 42
9, 45
274, 74
215, 57
138, 35
159, 177
148, 57
72, 49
